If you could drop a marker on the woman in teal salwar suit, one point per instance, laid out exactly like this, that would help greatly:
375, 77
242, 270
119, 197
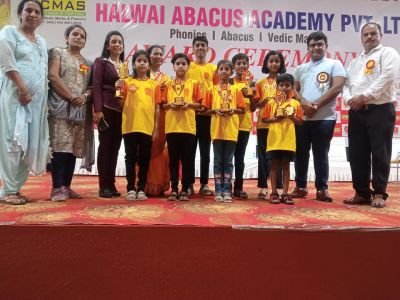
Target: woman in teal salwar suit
24, 134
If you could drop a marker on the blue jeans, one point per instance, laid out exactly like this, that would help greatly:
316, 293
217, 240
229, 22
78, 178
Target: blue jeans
315, 135
223, 165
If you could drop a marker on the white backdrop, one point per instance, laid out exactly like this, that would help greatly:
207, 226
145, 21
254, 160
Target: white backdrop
233, 26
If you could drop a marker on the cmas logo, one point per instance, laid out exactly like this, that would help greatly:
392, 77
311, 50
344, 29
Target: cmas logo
64, 7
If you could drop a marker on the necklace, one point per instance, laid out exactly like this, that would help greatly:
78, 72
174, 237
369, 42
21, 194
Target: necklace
29, 36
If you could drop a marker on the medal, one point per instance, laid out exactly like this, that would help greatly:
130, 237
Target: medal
323, 79
369, 66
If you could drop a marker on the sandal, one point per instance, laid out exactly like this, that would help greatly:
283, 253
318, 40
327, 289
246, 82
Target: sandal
274, 198
13, 199
173, 196
184, 196
378, 201
287, 199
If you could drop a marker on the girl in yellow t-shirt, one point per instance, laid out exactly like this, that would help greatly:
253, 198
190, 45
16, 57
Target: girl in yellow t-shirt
243, 79
282, 114
225, 101
180, 98
139, 123
273, 65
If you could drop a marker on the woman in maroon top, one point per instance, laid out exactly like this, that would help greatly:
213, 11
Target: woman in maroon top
109, 108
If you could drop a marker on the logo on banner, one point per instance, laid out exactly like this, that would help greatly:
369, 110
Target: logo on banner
65, 8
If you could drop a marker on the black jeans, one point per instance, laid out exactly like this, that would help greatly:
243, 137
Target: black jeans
137, 150
240, 151
203, 136
315, 135
180, 146
370, 145
62, 169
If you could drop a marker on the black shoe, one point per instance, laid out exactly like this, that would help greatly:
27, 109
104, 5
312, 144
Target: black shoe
106, 193
115, 193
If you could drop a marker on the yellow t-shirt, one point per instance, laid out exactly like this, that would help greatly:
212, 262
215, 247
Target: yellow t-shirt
246, 119
282, 134
4, 15
204, 74
141, 98
266, 88
181, 121
224, 127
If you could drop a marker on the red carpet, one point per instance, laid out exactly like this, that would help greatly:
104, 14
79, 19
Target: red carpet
199, 211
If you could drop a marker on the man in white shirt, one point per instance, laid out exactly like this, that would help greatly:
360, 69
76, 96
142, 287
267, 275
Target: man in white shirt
370, 92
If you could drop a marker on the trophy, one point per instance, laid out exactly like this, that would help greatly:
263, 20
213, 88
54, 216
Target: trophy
226, 98
248, 79
178, 86
280, 98
289, 111
280, 112
123, 72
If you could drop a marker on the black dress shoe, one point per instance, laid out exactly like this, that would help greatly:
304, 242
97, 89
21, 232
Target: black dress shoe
115, 193
105, 193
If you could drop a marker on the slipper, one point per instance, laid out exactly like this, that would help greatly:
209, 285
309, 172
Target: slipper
287, 199
274, 198
378, 201
13, 199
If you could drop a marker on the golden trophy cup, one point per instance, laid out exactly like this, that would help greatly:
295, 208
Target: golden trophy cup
226, 97
248, 79
178, 86
123, 72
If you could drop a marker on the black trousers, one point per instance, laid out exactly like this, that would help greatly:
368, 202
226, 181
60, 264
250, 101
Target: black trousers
137, 150
180, 148
62, 169
203, 137
370, 147
240, 151
109, 144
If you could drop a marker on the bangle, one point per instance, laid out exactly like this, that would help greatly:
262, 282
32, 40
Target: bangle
21, 93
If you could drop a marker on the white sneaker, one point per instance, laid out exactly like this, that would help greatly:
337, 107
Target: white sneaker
131, 195
263, 194
141, 196
218, 198
227, 197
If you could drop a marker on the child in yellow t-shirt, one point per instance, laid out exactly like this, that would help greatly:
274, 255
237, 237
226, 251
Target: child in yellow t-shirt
282, 114
4, 13
180, 98
139, 123
273, 65
244, 80
226, 102
204, 73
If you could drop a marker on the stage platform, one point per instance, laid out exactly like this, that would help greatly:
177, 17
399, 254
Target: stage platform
199, 211
156, 249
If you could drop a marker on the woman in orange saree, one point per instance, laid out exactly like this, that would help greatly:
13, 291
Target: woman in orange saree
158, 178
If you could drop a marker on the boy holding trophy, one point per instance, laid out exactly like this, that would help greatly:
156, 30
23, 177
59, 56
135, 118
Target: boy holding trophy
282, 113
180, 98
